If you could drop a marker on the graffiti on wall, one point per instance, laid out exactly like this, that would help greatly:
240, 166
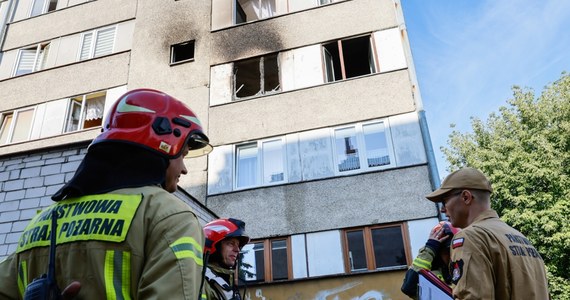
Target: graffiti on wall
328, 294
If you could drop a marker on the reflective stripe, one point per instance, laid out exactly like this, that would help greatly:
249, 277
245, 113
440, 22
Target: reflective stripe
22, 277
187, 247
118, 275
203, 296
422, 263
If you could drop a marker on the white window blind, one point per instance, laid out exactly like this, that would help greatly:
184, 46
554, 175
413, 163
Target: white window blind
26, 61
104, 42
86, 46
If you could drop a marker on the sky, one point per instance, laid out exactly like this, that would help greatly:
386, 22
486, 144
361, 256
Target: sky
468, 54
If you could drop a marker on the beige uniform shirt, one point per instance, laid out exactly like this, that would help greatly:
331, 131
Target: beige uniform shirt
491, 260
134, 243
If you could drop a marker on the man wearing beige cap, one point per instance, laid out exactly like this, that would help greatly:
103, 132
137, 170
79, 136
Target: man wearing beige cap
489, 259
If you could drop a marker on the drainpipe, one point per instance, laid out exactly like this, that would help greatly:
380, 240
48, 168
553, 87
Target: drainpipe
4, 19
431, 162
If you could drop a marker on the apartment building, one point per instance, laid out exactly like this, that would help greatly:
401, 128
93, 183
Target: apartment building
313, 108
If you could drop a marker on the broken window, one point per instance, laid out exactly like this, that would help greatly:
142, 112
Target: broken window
250, 10
256, 76
182, 52
348, 58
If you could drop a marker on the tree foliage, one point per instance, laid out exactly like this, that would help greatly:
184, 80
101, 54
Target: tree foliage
525, 151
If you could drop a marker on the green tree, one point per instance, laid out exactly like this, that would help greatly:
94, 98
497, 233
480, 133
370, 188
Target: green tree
525, 151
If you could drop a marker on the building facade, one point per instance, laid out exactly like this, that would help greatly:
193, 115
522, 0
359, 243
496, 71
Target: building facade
313, 108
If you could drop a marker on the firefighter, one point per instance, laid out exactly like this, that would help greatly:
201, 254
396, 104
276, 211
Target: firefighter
489, 258
224, 240
434, 257
121, 233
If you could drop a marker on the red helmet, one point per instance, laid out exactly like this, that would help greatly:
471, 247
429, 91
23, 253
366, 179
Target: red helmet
220, 229
156, 121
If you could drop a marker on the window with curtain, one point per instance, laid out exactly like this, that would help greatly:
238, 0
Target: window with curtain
260, 163
363, 146
16, 125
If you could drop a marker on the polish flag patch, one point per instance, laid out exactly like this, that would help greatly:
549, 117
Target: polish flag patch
456, 243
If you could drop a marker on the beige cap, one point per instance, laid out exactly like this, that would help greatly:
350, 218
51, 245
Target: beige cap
466, 178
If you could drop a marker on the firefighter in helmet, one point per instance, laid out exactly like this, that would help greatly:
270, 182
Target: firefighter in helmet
224, 240
121, 233
434, 257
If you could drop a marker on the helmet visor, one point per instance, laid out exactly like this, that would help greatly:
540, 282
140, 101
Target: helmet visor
198, 145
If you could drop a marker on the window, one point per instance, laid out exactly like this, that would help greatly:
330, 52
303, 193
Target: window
97, 43
42, 6
16, 126
182, 52
85, 111
373, 248
266, 261
256, 76
250, 10
260, 163
362, 147
348, 58
31, 59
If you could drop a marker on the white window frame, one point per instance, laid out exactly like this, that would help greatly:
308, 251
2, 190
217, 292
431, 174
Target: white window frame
93, 42
84, 101
360, 146
260, 159
45, 7
41, 51
12, 128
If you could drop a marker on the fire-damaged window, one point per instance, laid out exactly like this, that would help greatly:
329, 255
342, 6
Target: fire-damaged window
373, 248
182, 52
348, 58
256, 76
266, 260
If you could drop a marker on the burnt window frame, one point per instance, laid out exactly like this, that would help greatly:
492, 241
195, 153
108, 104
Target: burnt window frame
263, 71
185, 43
336, 65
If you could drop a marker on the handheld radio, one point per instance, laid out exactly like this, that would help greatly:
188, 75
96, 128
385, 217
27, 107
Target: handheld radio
45, 287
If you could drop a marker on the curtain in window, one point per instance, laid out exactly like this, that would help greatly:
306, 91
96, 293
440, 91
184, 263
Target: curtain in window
94, 108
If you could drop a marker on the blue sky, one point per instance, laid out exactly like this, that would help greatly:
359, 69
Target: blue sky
469, 53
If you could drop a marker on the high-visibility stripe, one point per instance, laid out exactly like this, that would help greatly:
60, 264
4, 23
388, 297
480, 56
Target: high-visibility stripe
118, 275
22, 277
187, 247
422, 263
203, 296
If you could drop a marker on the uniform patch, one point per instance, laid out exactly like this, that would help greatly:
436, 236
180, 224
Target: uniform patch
456, 243
457, 271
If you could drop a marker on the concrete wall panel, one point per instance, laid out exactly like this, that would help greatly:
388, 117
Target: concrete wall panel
326, 105
301, 29
57, 83
330, 204
75, 19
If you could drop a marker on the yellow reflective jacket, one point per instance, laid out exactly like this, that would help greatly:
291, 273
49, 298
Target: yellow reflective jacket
132, 243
